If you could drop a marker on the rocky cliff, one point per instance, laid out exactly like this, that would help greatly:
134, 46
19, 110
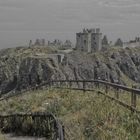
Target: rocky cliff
24, 67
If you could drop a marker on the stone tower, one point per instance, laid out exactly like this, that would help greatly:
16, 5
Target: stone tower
90, 40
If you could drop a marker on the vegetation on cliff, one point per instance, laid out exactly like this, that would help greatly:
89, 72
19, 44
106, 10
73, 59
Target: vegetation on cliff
25, 67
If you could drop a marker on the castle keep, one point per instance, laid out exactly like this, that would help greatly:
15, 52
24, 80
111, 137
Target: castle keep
89, 40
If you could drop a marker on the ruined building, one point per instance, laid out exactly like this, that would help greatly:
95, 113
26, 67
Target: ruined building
40, 42
89, 40
67, 44
132, 43
119, 43
56, 42
105, 42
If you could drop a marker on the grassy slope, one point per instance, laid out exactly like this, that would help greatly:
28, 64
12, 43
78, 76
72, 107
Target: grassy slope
86, 116
2, 137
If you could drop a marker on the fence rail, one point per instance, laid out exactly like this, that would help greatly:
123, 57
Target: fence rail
33, 124
56, 128
106, 85
98, 83
20, 92
136, 91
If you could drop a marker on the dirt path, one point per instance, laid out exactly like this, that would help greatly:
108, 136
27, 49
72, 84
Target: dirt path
11, 137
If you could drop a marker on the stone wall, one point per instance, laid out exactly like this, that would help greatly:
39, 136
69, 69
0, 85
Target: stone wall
131, 45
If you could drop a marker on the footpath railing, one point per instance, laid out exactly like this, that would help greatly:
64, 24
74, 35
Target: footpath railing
16, 93
42, 124
104, 88
96, 85
33, 124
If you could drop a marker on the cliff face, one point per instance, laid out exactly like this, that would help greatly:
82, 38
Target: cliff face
21, 68
115, 65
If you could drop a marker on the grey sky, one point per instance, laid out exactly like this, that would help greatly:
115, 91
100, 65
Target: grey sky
22, 20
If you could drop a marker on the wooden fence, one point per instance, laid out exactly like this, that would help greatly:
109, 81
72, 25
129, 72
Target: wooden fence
42, 124
33, 124
83, 85
97, 85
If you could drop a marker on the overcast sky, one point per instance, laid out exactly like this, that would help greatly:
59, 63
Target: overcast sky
22, 20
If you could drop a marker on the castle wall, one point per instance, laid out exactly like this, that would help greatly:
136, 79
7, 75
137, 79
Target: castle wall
89, 43
78, 41
85, 42
82, 42
131, 45
99, 41
89, 40
96, 42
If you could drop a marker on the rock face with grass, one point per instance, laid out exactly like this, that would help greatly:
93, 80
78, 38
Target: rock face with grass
115, 65
24, 67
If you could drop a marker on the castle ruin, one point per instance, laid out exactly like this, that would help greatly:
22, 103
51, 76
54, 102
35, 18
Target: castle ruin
90, 40
132, 43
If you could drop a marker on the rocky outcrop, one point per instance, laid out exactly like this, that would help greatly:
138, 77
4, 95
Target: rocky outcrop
25, 69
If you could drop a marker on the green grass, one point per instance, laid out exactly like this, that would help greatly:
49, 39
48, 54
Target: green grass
124, 96
2, 137
86, 116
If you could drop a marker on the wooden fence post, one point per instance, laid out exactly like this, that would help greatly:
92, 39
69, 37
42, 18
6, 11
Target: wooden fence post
63, 132
59, 84
106, 89
133, 99
70, 84
52, 84
117, 93
98, 85
84, 86
49, 84
1, 122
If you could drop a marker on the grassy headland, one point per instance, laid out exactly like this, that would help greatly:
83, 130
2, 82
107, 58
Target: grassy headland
86, 116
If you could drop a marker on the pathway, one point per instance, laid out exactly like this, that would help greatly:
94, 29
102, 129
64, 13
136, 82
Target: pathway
12, 137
